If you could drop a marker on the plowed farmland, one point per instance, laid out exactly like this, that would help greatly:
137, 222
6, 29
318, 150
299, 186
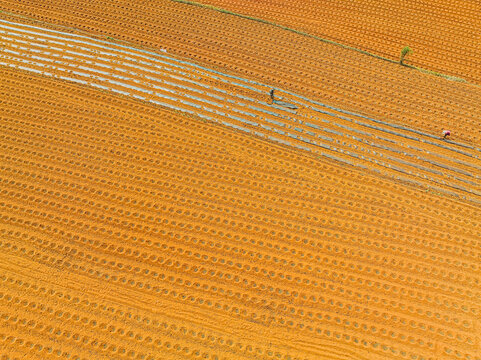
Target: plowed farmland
156, 204
131, 231
271, 55
443, 34
240, 103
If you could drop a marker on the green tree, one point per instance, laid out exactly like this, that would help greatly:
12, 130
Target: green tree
405, 52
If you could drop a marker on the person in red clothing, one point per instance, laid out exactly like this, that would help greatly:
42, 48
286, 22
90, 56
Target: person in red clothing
446, 133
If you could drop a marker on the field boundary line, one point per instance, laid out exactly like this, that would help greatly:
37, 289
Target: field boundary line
303, 33
263, 21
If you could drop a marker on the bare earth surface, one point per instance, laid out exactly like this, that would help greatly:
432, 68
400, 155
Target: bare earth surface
324, 72
155, 204
444, 35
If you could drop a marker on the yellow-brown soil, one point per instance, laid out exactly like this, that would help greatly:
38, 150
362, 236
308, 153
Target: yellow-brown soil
390, 151
325, 72
133, 231
443, 34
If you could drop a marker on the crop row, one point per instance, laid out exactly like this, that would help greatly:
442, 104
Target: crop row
198, 100
142, 212
338, 76
384, 28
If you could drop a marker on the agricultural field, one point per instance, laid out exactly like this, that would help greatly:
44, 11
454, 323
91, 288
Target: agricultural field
253, 50
157, 203
443, 34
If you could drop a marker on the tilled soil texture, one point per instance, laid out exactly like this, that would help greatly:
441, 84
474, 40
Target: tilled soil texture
128, 231
154, 208
321, 71
444, 35
397, 152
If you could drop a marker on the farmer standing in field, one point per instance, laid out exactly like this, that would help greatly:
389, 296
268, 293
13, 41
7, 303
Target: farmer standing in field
271, 93
446, 133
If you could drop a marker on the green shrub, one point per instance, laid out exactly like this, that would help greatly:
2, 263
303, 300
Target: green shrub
405, 52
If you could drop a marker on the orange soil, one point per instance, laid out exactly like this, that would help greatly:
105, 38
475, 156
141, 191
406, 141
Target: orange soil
133, 232
333, 75
444, 35
128, 231
458, 170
